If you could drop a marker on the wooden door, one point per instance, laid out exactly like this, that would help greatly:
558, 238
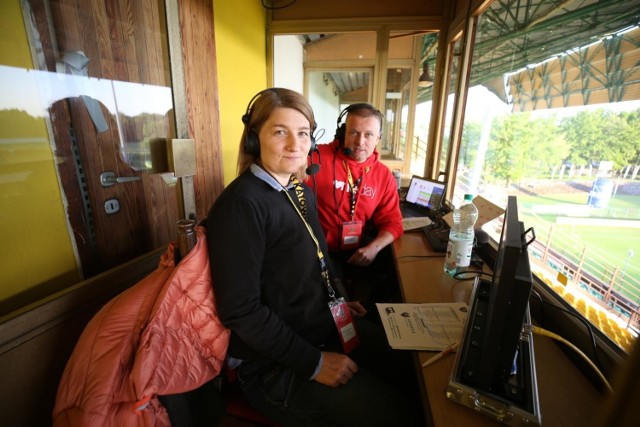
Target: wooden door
97, 47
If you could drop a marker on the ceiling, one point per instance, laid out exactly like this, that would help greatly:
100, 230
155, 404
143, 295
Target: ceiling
515, 33
512, 34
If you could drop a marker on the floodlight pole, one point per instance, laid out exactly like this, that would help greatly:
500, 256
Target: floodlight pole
626, 262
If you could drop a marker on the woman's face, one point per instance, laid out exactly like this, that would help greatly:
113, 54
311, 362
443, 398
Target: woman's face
285, 141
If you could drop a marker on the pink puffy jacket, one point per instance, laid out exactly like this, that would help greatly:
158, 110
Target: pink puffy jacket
161, 336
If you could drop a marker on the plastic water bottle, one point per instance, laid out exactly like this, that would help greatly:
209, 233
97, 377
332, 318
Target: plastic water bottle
461, 236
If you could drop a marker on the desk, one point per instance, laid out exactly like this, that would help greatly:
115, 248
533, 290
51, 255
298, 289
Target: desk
566, 397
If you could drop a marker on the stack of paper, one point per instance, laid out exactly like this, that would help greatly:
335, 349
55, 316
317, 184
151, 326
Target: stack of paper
413, 223
423, 326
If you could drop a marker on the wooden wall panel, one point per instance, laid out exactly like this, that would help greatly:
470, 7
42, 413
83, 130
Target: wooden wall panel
36, 343
199, 60
124, 41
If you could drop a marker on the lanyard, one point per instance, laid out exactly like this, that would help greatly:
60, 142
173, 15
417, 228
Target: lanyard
353, 188
300, 195
302, 213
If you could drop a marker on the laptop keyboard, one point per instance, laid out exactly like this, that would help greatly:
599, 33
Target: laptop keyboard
438, 238
411, 211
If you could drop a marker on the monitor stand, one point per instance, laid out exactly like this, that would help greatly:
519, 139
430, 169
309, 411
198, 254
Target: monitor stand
513, 400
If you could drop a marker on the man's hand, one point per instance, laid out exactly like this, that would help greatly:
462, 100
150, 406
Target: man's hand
336, 369
364, 255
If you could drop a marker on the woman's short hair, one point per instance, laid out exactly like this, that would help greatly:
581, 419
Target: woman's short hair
258, 112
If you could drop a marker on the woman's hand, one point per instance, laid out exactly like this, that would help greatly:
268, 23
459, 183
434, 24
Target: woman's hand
356, 309
336, 369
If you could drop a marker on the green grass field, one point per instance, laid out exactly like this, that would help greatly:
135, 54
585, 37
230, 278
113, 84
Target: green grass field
605, 244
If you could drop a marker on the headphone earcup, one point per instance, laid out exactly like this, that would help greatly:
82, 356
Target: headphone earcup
340, 131
251, 143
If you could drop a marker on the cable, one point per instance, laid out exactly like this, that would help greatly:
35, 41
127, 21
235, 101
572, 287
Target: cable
313, 176
277, 7
581, 318
473, 274
544, 332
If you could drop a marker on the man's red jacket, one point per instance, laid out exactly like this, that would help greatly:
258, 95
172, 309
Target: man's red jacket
377, 199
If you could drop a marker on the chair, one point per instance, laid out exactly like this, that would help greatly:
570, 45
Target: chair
205, 406
236, 403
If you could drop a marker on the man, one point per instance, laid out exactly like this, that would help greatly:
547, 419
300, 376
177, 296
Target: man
358, 201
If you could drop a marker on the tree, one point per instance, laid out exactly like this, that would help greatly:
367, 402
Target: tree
522, 147
631, 135
469, 143
549, 146
600, 135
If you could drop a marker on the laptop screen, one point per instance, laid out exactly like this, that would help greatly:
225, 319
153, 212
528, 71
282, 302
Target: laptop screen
425, 193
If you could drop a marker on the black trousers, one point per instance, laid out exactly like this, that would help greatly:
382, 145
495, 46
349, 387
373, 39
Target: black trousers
383, 392
375, 283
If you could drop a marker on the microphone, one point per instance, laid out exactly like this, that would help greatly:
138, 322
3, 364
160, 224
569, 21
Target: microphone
347, 151
312, 169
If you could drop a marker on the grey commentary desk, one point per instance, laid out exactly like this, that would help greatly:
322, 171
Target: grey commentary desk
566, 397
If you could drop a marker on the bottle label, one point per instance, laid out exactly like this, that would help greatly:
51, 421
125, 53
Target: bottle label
458, 253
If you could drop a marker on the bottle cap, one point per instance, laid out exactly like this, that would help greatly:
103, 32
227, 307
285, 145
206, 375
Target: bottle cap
468, 196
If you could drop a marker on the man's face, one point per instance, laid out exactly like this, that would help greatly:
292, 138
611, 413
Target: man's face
361, 136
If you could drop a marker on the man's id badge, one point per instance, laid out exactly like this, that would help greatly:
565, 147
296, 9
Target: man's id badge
351, 232
344, 323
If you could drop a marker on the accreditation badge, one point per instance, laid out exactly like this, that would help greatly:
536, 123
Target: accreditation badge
344, 323
351, 233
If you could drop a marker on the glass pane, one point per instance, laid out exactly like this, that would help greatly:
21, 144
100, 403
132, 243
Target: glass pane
448, 119
424, 105
393, 144
333, 70
336, 70
86, 110
330, 91
559, 127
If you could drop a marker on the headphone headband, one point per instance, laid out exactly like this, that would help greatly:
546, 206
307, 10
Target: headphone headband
341, 128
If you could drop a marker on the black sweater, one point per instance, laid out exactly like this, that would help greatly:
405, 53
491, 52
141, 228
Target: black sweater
266, 275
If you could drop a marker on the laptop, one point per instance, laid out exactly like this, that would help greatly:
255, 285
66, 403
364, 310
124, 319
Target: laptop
424, 197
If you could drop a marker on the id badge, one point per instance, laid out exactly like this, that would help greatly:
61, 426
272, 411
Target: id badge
344, 323
351, 232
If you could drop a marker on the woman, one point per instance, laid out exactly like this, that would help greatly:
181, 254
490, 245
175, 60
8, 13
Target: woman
266, 248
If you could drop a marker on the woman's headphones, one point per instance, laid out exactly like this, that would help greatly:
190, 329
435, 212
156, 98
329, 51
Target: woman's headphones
251, 140
341, 128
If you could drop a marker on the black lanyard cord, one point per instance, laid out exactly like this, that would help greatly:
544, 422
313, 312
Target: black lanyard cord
302, 213
354, 187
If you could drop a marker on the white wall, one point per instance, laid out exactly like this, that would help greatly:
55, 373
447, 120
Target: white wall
325, 106
288, 57
288, 72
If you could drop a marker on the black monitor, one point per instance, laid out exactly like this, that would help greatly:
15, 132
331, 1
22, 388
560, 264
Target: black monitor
490, 357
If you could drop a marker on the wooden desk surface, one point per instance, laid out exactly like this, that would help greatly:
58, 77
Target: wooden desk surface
566, 397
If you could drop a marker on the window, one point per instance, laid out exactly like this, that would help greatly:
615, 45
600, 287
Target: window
335, 70
83, 135
553, 117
